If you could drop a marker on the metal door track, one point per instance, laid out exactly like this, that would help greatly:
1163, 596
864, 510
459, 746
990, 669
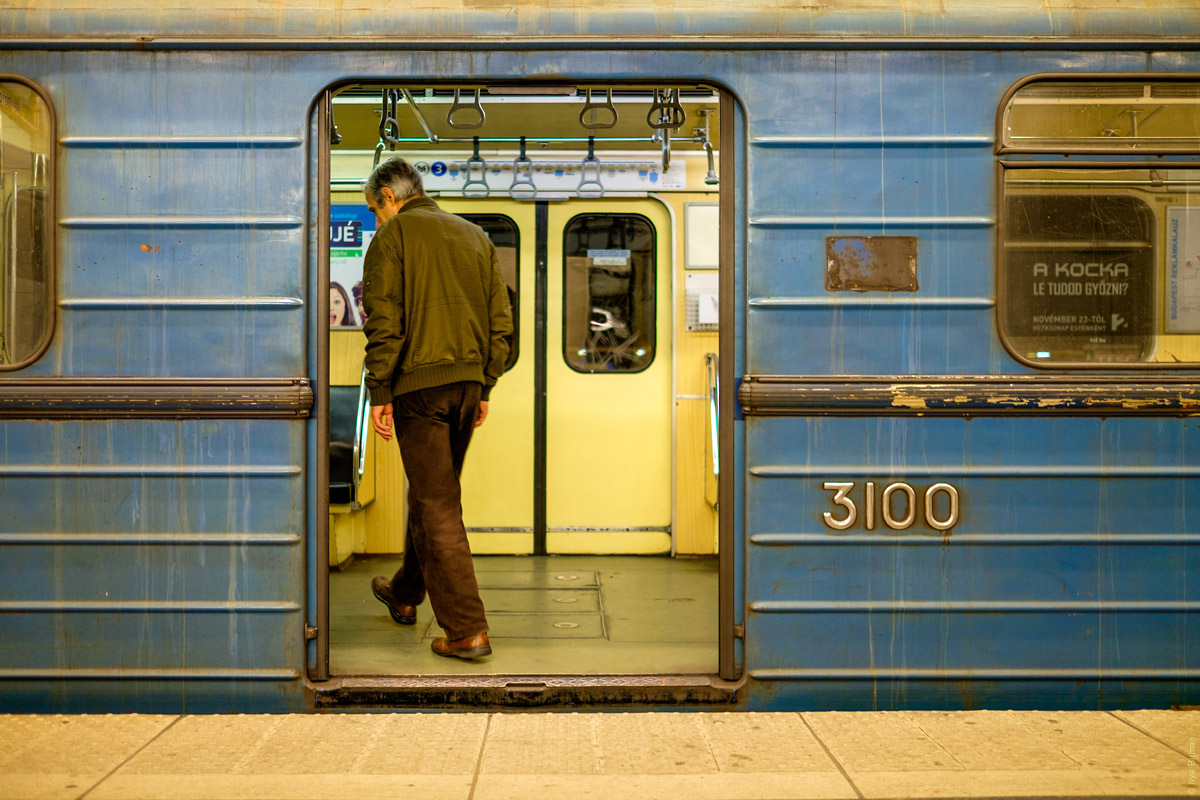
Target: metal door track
522, 691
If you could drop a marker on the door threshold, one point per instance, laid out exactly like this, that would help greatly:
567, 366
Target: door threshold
550, 693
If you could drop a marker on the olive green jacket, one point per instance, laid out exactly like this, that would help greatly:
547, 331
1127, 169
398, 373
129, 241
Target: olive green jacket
436, 303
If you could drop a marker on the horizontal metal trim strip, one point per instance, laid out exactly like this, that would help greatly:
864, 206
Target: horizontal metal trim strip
993, 674
136, 673
969, 606
595, 529
192, 142
834, 471
889, 538
1054, 42
277, 222
500, 529
147, 470
915, 140
82, 397
871, 222
873, 302
768, 395
122, 303
152, 538
155, 606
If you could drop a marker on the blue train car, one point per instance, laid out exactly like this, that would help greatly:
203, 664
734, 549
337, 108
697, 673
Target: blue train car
868, 334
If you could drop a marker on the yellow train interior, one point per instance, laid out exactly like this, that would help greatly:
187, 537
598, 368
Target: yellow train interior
628, 581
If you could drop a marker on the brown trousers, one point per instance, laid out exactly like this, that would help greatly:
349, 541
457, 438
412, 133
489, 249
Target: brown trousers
433, 429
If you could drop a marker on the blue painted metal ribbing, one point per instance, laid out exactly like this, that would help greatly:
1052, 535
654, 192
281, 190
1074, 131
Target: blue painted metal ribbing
970, 606
836, 222
188, 142
972, 674
147, 221
937, 539
156, 606
171, 539
180, 302
147, 470
900, 140
142, 674
880, 302
1108, 471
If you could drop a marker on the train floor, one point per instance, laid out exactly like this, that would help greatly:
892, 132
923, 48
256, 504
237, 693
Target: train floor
548, 615
612, 756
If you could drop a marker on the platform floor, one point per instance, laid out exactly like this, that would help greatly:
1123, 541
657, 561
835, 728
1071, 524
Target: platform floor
548, 615
617, 756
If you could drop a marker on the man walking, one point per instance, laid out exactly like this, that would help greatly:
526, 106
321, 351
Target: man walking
438, 334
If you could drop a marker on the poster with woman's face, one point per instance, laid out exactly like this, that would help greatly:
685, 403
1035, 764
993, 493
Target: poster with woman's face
351, 228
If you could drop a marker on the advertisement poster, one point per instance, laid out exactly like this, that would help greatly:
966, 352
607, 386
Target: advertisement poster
1183, 269
351, 227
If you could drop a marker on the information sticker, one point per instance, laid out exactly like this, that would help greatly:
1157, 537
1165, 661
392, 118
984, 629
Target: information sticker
609, 258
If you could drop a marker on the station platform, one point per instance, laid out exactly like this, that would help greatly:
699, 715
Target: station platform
606, 756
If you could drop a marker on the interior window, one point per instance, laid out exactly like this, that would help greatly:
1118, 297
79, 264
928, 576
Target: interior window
505, 236
608, 293
1121, 116
1100, 264
26, 228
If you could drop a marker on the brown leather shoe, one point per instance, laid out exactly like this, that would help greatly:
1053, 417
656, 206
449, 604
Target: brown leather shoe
381, 587
468, 647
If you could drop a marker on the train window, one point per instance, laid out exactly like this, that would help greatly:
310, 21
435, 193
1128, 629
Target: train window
26, 225
1159, 115
1101, 266
608, 293
1099, 263
505, 236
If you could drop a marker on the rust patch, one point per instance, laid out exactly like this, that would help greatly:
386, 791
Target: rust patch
871, 263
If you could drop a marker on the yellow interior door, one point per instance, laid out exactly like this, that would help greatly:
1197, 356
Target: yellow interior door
497, 480
608, 377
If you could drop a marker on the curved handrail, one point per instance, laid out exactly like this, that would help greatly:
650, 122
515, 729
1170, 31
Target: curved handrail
361, 430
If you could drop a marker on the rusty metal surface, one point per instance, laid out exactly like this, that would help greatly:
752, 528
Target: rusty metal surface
972, 395
116, 398
620, 19
871, 264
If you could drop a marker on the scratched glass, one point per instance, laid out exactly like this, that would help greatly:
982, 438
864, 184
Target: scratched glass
26, 228
1101, 266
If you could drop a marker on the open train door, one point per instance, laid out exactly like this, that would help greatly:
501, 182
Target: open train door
615, 412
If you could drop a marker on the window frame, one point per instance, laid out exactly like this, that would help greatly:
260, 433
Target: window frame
51, 243
1014, 157
653, 337
473, 217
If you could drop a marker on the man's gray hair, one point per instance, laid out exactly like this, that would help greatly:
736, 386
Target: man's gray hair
399, 176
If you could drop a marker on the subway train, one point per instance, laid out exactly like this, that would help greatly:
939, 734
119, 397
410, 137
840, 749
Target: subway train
852, 365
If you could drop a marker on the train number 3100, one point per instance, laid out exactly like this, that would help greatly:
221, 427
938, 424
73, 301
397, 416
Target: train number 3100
897, 504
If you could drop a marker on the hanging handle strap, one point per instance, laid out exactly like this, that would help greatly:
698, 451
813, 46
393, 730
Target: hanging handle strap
598, 115
522, 187
476, 185
470, 115
589, 174
666, 112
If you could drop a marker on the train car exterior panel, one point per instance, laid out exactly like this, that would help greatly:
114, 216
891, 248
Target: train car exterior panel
1069, 555
199, 156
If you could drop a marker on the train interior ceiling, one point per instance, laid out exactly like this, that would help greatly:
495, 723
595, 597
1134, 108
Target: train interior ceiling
589, 495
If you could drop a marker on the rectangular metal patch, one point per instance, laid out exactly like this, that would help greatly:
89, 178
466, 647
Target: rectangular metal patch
871, 263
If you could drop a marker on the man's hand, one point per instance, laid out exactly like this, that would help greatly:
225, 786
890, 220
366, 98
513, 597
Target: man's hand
482, 415
381, 420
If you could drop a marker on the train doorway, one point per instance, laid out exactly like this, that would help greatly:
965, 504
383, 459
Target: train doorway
589, 494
